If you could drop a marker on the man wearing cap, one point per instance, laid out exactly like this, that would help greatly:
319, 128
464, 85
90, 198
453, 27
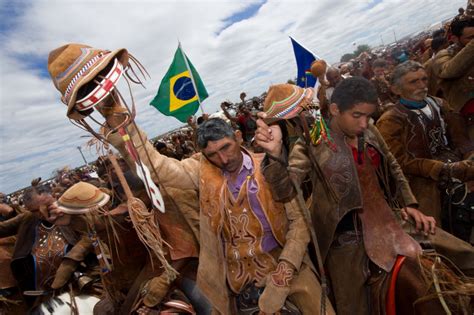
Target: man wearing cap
430, 143
247, 241
356, 183
454, 67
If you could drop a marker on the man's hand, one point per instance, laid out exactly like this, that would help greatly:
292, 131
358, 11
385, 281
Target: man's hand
53, 212
108, 107
277, 288
268, 137
423, 223
462, 170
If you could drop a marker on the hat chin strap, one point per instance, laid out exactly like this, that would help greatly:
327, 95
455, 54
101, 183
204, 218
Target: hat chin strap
128, 114
103, 88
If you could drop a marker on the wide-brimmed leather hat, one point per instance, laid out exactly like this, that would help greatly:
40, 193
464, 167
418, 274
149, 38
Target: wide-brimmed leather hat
286, 101
81, 197
72, 66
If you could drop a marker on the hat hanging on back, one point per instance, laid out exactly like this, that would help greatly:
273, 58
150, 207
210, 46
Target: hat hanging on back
286, 101
73, 66
81, 197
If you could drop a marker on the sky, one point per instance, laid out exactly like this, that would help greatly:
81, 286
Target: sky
234, 45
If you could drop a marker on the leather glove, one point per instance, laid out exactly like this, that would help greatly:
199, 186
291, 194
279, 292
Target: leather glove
462, 170
155, 290
64, 273
277, 288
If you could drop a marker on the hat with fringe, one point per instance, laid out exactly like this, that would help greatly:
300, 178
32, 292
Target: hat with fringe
73, 66
286, 101
81, 198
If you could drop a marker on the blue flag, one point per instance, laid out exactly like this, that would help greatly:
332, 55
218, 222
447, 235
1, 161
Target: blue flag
304, 58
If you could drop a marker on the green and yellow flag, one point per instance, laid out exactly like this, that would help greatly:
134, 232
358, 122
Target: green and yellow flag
177, 95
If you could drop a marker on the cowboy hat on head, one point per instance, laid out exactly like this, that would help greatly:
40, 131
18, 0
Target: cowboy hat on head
81, 198
286, 101
73, 66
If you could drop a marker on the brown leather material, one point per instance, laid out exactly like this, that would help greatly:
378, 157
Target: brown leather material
242, 234
7, 245
80, 250
48, 251
336, 189
64, 273
454, 67
196, 173
178, 222
213, 185
156, 289
384, 239
409, 142
427, 139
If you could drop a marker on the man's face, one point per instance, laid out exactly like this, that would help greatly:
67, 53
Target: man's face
353, 122
379, 72
467, 36
333, 77
413, 85
225, 153
39, 204
40, 201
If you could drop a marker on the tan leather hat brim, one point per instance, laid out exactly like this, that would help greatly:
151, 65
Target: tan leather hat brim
69, 210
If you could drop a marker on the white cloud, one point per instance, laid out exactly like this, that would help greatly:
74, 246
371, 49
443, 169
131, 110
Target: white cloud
36, 137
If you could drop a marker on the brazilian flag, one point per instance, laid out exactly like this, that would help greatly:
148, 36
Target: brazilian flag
176, 95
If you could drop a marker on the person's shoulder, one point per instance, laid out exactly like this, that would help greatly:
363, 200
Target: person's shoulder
27, 215
391, 111
444, 53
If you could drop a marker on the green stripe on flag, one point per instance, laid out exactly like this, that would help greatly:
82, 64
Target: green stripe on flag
176, 95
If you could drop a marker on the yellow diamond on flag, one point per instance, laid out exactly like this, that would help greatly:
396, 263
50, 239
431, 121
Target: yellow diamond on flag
181, 91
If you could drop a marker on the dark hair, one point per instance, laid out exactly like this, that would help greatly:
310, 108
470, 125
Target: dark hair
352, 91
379, 63
200, 120
32, 191
437, 43
458, 26
212, 130
160, 145
439, 33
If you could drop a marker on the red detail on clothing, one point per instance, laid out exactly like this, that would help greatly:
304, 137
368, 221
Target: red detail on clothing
373, 155
468, 108
390, 307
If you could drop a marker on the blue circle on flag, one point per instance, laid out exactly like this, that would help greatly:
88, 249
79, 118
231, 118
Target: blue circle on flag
183, 89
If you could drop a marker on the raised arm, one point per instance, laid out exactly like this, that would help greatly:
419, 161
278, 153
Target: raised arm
447, 66
164, 170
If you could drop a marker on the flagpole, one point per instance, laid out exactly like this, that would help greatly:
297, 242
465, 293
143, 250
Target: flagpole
191, 75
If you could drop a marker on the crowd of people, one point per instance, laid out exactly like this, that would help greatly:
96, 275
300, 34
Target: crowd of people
355, 197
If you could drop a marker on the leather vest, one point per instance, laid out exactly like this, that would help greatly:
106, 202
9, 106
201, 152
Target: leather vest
242, 234
48, 252
427, 136
337, 191
236, 226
